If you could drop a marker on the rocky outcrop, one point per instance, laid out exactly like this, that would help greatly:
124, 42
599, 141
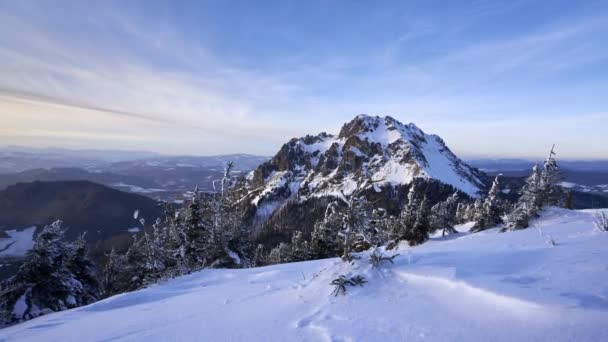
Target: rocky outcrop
323, 166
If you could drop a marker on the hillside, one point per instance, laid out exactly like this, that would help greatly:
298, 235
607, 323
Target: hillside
83, 206
473, 287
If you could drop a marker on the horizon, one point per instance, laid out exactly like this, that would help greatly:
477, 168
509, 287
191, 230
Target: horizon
159, 154
493, 79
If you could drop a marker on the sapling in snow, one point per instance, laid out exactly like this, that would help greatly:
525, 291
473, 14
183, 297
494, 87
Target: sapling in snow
601, 221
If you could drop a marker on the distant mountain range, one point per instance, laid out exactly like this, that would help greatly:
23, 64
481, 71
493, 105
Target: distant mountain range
160, 177
502, 165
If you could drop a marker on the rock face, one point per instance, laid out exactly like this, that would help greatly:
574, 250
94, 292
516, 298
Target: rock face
382, 148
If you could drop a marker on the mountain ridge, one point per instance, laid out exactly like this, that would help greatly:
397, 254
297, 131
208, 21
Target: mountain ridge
390, 153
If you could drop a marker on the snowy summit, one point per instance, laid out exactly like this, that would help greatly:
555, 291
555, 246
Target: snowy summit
390, 153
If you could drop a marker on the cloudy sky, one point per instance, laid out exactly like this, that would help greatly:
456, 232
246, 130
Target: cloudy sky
500, 79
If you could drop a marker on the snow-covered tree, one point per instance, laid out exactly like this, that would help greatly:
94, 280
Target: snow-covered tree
413, 224
280, 254
551, 177
488, 214
114, 280
325, 240
56, 276
259, 256
444, 214
194, 230
300, 248
82, 268
541, 188
356, 213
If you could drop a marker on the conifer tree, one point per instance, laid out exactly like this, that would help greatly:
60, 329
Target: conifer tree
56, 276
444, 215
551, 177
325, 240
414, 222
529, 203
488, 212
84, 271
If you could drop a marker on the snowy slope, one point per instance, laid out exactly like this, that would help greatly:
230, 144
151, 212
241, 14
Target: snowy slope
481, 287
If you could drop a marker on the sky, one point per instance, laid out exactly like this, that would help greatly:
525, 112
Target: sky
492, 78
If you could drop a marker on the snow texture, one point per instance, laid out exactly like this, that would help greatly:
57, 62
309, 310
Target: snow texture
487, 286
19, 242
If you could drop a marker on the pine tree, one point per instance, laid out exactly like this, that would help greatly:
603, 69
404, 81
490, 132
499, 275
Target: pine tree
280, 254
226, 238
84, 271
300, 250
444, 215
357, 216
414, 222
113, 276
419, 233
259, 257
325, 240
56, 276
193, 227
487, 214
529, 203
407, 218
551, 177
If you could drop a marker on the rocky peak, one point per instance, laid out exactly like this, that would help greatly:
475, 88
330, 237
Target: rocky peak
382, 148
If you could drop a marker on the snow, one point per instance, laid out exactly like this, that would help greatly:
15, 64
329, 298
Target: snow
235, 257
20, 306
70, 300
321, 146
487, 286
438, 162
441, 168
19, 242
568, 184
136, 189
275, 181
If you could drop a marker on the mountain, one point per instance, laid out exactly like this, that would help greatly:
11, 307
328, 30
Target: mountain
83, 206
160, 177
510, 165
17, 158
105, 214
484, 286
391, 153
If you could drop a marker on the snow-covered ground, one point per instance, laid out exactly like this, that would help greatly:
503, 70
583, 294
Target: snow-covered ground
19, 242
487, 286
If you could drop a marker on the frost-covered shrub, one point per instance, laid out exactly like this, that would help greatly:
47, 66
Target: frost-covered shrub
57, 275
376, 258
601, 221
341, 282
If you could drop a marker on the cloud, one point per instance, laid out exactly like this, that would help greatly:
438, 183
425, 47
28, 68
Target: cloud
148, 79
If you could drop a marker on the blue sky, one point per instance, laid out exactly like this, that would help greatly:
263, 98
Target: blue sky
493, 78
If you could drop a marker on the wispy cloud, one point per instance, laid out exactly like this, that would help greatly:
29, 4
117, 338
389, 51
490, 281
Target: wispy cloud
152, 80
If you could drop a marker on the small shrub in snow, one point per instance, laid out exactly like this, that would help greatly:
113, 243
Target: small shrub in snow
358, 281
601, 221
376, 258
340, 285
341, 282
